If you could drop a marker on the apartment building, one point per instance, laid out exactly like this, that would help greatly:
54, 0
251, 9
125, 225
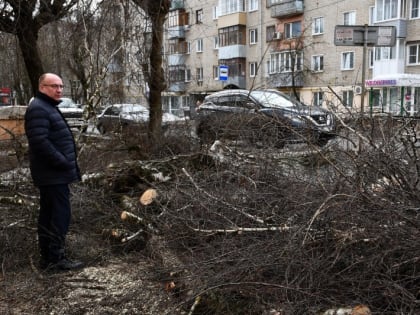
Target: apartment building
290, 45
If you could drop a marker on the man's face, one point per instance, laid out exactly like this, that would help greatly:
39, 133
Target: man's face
52, 86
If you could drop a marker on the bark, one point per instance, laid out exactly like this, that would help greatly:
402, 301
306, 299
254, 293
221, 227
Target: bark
156, 11
17, 17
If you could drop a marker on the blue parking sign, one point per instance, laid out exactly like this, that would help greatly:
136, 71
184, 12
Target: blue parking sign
223, 72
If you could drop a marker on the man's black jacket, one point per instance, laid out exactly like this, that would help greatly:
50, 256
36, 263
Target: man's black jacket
52, 150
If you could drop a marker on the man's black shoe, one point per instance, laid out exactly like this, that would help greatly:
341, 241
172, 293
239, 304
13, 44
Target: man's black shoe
62, 265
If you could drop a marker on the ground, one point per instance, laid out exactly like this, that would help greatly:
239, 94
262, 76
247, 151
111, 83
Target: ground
116, 279
247, 230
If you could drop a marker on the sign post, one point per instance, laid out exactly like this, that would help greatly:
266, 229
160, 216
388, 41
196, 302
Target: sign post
364, 35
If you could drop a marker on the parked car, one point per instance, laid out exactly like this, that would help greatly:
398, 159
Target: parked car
262, 116
72, 112
122, 117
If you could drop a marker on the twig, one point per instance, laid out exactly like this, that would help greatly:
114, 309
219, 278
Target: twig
196, 302
243, 229
319, 211
129, 238
125, 215
253, 217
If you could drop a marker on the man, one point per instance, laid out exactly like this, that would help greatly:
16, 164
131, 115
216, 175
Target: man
53, 165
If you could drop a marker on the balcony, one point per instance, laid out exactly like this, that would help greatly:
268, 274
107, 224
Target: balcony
232, 19
285, 8
176, 32
177, 5
233, 51
279, 80
176, 59
386, 67
400, 26
177, 87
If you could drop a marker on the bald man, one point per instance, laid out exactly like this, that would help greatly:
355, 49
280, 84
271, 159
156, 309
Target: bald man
53, 165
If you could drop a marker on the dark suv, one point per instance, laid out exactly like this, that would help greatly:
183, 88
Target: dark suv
262, 116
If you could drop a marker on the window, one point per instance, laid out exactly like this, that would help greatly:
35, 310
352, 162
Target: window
232, 6
199, 74
318, 26
216, 72
232, 35
215, 13
286, 62
188, 47
414, 11
384, 53
348, 98
267, 68
177, 73
253, 36
199, 16
371, 15
318, 98
216, 42
413, 54
187, 75
371, 58
349, 18
292, 30
269, 33
375, 97
236, 66
252, 5
253, 68
347, 60
177, 47
318, 63
199, 45
177, 18
386, 9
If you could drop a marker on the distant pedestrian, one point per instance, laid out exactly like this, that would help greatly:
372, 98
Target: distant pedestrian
53, 165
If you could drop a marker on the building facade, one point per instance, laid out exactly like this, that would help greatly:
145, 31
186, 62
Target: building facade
290, 45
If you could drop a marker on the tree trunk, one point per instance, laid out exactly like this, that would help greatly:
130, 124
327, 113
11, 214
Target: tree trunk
157, 11
157, 80
31, 56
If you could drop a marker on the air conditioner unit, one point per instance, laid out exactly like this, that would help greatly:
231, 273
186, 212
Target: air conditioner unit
358, 89
278, 35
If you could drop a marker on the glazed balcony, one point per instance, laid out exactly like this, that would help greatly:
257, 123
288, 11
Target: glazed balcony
285, 8
287, 79
176, 32
177, 5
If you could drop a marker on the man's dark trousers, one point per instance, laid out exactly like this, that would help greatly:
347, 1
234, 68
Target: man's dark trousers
53, 221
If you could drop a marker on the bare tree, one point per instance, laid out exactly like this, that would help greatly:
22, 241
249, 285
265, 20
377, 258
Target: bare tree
24, 19
156, 11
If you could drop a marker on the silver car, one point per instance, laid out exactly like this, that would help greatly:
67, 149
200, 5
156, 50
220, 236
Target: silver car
124, 117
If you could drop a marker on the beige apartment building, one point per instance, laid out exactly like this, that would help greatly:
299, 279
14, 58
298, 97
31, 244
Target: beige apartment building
297, 47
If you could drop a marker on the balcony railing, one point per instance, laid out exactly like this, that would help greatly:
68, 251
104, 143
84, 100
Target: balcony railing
177, 5
284, 8
176, 32
287, 79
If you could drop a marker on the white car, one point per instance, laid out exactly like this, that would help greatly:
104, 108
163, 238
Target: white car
71, 112
119, 117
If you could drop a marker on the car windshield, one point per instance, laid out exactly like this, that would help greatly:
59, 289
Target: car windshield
272, 99
134, 109
67, 103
